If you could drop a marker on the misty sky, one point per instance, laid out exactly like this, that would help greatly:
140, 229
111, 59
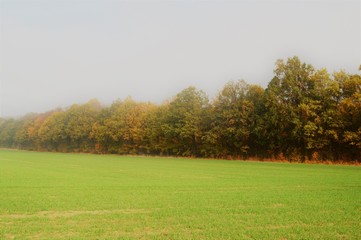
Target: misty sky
56, 53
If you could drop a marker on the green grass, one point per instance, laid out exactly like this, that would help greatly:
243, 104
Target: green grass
81, 196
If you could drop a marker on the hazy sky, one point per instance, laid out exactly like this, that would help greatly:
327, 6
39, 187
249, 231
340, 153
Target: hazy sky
55, 53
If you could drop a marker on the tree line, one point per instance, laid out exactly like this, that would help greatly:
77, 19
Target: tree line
303, 114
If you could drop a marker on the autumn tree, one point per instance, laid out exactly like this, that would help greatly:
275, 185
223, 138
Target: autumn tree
156, 141
52, 134
121, 128
350, 115
233, 118
183, 127
78, 122
287, 98
8, 130
303, 114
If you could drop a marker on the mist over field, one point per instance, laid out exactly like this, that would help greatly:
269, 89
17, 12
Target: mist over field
119, 119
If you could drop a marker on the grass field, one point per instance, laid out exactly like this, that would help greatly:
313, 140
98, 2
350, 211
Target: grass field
81, 196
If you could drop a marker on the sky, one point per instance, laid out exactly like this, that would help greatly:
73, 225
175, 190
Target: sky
57, 53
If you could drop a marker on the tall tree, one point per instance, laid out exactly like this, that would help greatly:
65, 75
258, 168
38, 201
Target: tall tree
255, 95
79, 120
183, 127
122, 129
286, 100
155, 128
8, 130
233, 117
350, 112
52, 134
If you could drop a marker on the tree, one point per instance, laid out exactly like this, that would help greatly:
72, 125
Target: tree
155, 128
255, 95
350, 113
233, 118
78, 122
121, 128
23, 136
286, 99
8, 129
52, 134
183, 126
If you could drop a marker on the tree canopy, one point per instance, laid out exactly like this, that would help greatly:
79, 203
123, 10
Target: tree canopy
303, 114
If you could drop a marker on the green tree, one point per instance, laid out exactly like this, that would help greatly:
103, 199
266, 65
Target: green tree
52, 134
184, 127
155, 127
255, 95
234, 118
350, 113
286, 99
78, 123
8, 130
121, 129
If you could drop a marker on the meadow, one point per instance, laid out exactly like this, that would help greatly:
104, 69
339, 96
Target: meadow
84, 196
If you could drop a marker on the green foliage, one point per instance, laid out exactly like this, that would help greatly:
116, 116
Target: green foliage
303, 114
234, 118
52, 132
120, 129
183, 125
289, 106
8, 130
155, 140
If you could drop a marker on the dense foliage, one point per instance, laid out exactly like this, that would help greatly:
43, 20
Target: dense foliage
303, 114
